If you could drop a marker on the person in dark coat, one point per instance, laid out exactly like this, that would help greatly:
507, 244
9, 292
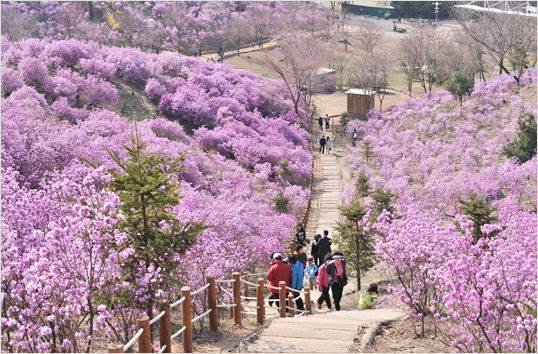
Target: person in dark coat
322, 143
320, 122
315, 250
300, 235
324, 245
300, 254
335, 269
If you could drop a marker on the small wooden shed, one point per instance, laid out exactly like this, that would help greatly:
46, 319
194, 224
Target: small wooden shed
360, 101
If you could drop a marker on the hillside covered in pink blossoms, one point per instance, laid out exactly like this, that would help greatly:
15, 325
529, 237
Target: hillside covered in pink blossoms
247, 148
432, 154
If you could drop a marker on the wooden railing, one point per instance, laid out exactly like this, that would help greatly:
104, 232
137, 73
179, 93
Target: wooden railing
143, 324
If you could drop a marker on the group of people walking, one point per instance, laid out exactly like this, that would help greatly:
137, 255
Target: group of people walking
325, 271
325, 141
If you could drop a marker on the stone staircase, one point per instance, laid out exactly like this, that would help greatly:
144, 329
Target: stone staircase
324, 332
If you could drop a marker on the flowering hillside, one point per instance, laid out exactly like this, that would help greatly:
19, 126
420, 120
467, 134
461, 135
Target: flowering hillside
62, 253
479, 286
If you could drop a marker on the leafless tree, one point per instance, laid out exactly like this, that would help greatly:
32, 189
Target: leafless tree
340, 64
14, 23
297, 63
498, 33
420, 51
368, 37
68, 17
371, 73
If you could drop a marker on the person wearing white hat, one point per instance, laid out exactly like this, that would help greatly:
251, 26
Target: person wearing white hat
336, 271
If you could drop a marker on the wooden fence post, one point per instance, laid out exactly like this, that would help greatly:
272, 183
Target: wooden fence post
245, 285
165, 332
212, 304
237, 297
115, 347
290, 304
308, 305
186, 319
282, 298
260, 311
144, 341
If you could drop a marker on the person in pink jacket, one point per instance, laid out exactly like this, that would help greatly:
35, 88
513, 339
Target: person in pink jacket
323, 282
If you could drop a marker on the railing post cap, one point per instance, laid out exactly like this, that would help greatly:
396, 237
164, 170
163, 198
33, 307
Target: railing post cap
185, 288
236, 273
282, 282
210, 276
142, 318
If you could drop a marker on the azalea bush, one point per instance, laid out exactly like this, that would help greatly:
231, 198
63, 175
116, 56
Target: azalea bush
446, 164
61, 239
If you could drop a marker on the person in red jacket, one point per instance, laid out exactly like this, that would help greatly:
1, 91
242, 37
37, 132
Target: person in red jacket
279, 271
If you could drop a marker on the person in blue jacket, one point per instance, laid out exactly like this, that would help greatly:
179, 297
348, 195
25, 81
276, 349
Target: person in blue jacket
296, 279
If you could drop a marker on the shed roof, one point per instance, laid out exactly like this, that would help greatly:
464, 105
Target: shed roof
361, 92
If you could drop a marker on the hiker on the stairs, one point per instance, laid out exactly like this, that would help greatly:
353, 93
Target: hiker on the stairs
300, 254
324, 245
315, 250
296, 279
323, 282
300, 235
279, 271
311, 272
336, 271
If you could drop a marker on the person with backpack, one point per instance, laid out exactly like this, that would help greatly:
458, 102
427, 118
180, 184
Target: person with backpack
300, 235
322, 143
337, 277
315, 249
367, 297
278, 271
311, 273
323, 283
296, 280
324, 245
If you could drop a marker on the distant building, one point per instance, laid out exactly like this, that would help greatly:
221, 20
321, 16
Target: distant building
360, 101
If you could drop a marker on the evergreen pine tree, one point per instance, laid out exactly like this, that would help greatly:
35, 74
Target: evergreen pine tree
459, 84
352, 239
479, 212
146, 184
524, 145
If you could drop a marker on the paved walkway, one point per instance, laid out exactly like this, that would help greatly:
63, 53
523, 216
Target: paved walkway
324, 331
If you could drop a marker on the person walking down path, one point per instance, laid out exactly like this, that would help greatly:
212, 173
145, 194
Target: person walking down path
300, 254
278, 271
200, 52
320, 122
315, 250
327, 120
367, 297
300, 235
322, 143
194, 52
324, 245
296, 279
336, 271
323, 283
311, 270
329, 144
